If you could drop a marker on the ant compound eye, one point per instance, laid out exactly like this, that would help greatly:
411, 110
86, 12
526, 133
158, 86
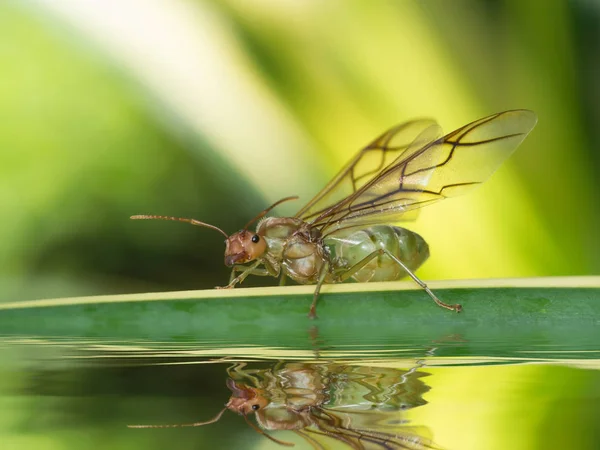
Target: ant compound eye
255, 407
255, 238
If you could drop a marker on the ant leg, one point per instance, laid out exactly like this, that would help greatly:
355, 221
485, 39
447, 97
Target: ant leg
282, 279
349, 272
455, 307
237, 368
366, 260
313, 306
252, 269
259, 271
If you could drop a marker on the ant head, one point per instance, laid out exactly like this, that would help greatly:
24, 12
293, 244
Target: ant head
244, 246
245, 400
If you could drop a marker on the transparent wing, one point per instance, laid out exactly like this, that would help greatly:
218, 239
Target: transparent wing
430, 169
366, 165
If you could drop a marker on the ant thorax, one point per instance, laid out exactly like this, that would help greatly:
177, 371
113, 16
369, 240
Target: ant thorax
296, 245
276, 231
303, 259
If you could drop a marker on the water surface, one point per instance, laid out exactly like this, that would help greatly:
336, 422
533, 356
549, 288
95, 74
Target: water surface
320, 390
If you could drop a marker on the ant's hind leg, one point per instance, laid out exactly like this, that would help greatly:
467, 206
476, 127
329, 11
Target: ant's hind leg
455, 307
366, 260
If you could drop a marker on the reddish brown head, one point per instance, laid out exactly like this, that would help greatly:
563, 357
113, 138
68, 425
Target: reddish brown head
244, 246
245, 399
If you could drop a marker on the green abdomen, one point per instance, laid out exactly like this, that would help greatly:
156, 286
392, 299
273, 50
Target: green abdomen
351, 248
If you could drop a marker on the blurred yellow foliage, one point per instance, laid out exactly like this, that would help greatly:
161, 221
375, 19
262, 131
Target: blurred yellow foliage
215, 109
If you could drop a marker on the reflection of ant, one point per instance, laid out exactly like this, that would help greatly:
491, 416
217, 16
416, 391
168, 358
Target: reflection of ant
356, 405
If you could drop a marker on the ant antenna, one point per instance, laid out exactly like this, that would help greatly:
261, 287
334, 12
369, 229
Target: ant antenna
268, 436
213, 420
180, 219
264, 212
177, 425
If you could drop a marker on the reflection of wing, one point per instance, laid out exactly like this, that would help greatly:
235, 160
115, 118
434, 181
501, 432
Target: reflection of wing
366, 165
327, 427
428, 170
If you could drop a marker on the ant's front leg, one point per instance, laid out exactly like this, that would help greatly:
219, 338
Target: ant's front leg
252, 269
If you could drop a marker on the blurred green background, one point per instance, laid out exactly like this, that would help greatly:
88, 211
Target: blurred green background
215, 109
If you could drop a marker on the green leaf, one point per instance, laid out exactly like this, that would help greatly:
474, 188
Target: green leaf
500, 317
